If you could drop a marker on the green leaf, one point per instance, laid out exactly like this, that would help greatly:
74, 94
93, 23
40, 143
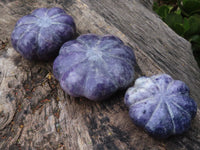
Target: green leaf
195, 39
191, 7
163, 11
184, 1
186, 24
179, 29
178, 12
172, 19
194, 26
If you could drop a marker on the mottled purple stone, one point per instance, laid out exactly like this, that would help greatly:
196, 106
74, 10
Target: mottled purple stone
40, 35
94, 66
160, 105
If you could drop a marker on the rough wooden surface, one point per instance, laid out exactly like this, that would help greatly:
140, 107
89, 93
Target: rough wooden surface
36, 114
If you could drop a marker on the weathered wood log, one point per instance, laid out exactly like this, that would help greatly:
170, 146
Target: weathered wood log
36, 114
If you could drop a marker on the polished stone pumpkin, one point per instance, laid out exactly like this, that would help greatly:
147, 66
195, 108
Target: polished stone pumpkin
160, 105
39, 35
94, 66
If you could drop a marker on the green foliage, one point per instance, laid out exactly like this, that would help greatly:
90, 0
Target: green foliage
163, 11
175, 22
194, 26
195, 40
189, 7
183, 16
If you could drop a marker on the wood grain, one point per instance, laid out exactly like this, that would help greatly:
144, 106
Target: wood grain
36, 114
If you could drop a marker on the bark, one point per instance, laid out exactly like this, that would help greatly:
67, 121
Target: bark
35, 113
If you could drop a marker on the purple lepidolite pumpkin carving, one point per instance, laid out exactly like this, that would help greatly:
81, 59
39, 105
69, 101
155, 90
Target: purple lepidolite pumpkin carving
160, 105
94, 66
39, 35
